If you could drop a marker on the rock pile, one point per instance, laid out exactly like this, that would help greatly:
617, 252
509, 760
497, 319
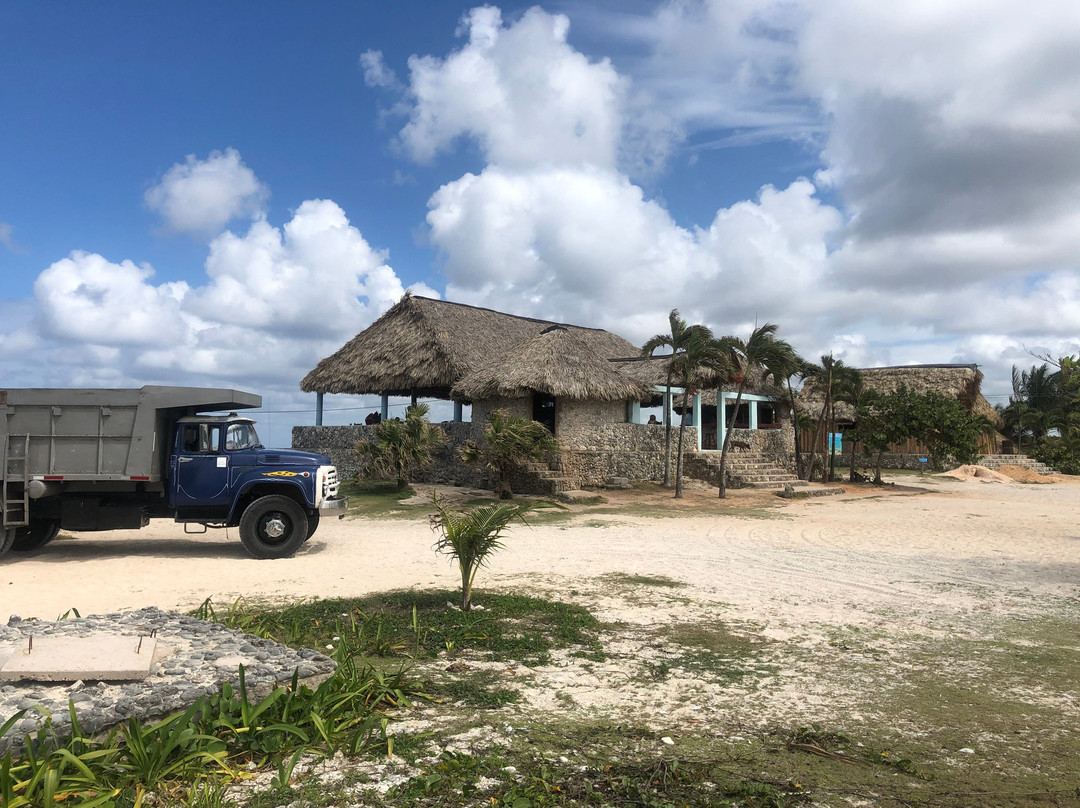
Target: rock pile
194, 658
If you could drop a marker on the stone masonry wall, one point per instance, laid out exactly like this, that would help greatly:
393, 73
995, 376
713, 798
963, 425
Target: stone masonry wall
581, 424
635, 451
338, 442
773, 445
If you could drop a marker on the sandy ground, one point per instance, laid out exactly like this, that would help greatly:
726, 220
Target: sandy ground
832, 559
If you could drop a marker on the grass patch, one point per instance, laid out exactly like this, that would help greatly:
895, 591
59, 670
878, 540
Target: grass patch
484, 688
643, 580
380, 499
708, 651
422, 625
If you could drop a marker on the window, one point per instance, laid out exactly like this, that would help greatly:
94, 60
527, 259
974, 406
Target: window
241, 436
201, 438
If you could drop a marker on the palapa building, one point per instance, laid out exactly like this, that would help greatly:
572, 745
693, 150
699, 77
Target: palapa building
957, 381
587, 385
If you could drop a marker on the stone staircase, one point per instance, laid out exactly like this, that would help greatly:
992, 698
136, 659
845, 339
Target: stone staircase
546, 479
751, 472
992, 461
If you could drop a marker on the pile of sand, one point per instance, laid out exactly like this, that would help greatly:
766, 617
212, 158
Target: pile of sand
980, 473
1022, 474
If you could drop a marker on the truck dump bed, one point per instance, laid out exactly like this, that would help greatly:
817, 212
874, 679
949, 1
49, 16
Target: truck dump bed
98, 435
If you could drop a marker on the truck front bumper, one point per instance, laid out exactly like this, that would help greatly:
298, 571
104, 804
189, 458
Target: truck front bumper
334, 505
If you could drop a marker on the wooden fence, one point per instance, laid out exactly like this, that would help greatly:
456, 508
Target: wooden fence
988, 444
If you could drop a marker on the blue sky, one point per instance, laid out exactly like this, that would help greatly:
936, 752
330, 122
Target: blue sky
222, 194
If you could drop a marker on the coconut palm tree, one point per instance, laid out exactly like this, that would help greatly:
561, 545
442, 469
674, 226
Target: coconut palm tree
851, 390
676, 339
702, 356
825, 377
783, 372
508, 441
398, 447
761, 354
470, 536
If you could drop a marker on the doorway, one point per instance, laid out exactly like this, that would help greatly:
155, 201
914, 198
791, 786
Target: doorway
543, 410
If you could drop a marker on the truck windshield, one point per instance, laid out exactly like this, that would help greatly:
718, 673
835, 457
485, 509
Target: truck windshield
241, 436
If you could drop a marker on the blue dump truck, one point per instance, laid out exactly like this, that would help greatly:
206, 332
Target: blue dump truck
87, 460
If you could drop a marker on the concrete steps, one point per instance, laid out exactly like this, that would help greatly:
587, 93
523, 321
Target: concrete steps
749, 473
544, 478
994, 460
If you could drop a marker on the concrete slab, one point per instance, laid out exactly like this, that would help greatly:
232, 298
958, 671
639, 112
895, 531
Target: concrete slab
108, 658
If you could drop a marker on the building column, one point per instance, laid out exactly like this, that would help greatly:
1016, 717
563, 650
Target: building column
697, 418
385, 412
457, 412
753, 414
721, 418
635, 412
318, 409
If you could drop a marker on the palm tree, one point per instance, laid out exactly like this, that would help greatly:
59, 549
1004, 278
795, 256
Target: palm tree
677, 338
851, 390
825, 377
783, 372
701, 355
762, 353
398, 446
470, 536
508, 441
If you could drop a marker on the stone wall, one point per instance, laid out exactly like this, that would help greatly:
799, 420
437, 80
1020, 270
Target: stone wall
773, 445
889, 460
596, 443
580, 425
635, 451
338, 442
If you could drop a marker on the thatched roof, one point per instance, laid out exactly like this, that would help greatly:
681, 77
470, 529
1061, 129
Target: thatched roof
425, 346
653, 371
962, 382
558, 362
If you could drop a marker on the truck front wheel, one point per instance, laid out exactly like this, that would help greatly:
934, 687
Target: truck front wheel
273, 527
312, 524
35, 535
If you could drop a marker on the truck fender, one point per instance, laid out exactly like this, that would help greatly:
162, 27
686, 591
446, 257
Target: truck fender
261, 487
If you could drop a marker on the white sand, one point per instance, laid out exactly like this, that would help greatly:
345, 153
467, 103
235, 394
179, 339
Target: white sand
837, 581
825, 555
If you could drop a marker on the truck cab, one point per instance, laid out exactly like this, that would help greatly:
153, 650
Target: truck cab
219, 469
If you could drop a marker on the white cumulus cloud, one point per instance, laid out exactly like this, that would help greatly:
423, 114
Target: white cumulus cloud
86, 298
274, 302
376, 73
521, 91
203, 196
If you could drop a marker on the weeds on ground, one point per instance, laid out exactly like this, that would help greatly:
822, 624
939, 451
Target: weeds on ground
420, 625
380, 499
348, 712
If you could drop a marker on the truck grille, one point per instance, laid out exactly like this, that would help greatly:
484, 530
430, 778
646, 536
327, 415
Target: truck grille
330, 486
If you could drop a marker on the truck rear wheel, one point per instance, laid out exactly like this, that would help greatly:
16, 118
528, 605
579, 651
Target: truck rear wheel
273, 527
35, 535
7, 536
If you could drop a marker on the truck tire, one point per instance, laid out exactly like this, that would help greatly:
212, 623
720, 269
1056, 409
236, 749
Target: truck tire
35, 535
312, 524
7, 536
273, 527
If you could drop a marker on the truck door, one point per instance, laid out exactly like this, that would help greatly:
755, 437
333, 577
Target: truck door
200, 477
